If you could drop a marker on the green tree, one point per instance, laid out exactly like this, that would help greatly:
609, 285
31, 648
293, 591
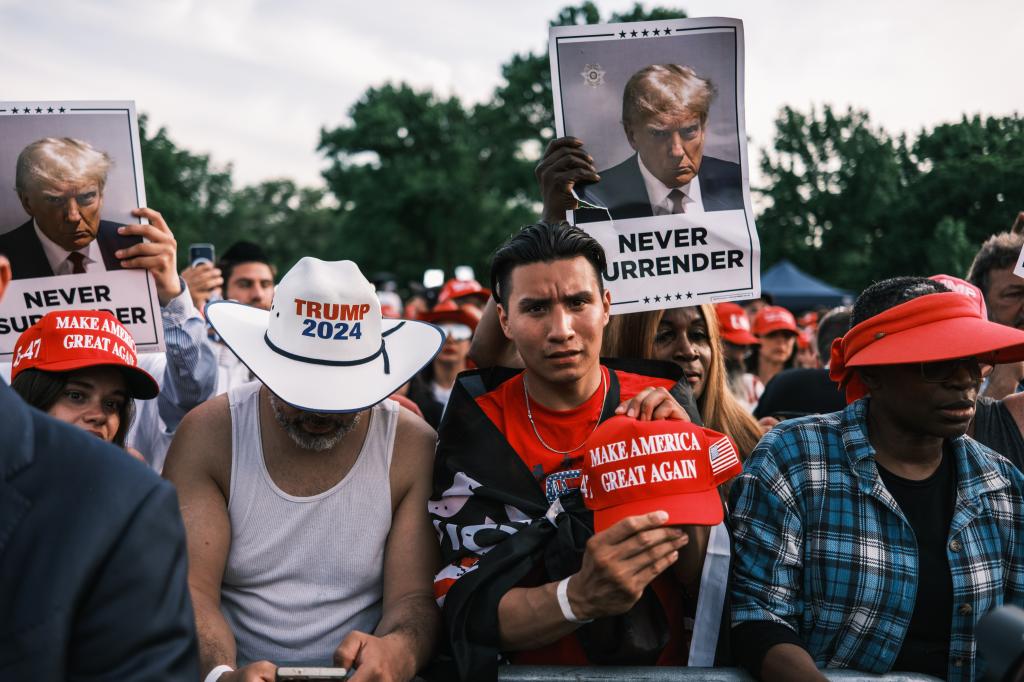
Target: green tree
193, 196
851, 204
424, 181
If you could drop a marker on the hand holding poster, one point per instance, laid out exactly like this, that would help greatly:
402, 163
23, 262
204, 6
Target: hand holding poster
659, 108
75, 178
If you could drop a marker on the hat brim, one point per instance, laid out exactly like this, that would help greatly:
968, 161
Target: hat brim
702, 509
482, 292
459, 316
741, 338
139, 382
316, 387
778, 327
957, 337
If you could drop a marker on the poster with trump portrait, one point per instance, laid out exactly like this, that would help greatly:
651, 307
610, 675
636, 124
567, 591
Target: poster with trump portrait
70, 176
658, 106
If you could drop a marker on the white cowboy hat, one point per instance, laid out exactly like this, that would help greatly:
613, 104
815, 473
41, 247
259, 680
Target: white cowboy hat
323, 346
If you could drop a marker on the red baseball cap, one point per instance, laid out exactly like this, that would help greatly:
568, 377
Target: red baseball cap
635, 467
459, 288
68, 340
773, 318
450, 311
964, 287
735, 324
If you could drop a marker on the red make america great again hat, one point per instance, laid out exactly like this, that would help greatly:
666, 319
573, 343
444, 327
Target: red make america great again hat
632, 467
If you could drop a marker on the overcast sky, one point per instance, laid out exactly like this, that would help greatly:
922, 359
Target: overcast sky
251, 82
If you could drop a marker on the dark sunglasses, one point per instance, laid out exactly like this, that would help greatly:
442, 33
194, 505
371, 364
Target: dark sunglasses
944, 370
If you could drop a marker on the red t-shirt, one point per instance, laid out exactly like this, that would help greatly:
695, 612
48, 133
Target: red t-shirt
561, 430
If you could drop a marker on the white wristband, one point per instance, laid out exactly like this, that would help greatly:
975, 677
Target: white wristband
215, 674
562, 592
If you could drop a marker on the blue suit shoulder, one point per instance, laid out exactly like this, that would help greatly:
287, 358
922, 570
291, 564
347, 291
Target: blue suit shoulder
93, 571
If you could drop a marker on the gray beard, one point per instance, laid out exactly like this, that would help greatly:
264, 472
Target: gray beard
305, 440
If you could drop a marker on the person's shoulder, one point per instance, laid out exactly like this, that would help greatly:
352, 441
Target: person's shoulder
998, 461
415, 441
803, 441
17, 232
202, 443
629, 166
720, 167
412, 427
631, 383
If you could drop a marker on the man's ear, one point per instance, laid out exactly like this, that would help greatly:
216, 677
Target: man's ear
5, 275
606, 301
503, 320
23, 198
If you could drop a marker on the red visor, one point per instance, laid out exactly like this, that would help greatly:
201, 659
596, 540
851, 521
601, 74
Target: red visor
929, 328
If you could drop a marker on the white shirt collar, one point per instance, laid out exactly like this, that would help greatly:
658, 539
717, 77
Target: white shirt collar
657, 192
58, 257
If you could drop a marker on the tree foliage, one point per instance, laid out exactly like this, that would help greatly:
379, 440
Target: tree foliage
418, 180
852, 204
425, 181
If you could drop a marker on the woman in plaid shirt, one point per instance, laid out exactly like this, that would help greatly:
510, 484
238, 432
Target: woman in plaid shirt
875, 538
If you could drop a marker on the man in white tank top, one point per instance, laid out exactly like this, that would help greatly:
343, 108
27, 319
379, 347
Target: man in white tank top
304, 494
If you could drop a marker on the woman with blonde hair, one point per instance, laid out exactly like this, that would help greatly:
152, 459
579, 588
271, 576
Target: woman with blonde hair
690, 337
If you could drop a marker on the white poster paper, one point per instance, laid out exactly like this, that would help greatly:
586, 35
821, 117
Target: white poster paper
659, 107
70, 175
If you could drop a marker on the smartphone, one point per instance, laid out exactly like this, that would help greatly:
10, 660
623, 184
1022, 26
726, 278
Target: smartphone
304, 673
200, 253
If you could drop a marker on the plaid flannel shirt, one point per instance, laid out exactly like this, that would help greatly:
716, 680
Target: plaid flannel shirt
822, 547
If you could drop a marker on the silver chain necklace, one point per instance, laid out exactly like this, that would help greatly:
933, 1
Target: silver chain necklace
529, 415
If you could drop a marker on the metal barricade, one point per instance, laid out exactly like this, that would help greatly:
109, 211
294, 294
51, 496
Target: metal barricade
529, 673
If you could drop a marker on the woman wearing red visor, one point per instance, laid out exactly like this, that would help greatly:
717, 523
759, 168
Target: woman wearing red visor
875, 538
80, 366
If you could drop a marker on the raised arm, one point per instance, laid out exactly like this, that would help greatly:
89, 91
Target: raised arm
190, 375
490, 347
404, 639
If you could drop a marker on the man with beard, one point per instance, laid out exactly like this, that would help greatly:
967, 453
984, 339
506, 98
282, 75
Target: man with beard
304, 494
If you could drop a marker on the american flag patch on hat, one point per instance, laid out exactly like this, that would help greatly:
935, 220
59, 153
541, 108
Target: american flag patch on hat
723, 455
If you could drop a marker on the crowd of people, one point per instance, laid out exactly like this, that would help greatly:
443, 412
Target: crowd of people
506, 475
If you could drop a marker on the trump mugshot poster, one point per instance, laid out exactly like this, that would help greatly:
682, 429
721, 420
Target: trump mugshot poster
659, 107
70, 175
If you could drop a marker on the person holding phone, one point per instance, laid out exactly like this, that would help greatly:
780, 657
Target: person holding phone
244, 274
305, 493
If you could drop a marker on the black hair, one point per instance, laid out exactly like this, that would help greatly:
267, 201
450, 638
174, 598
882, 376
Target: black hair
889, 293
242, 252
543, 243
835, 324
999, 251
42, 389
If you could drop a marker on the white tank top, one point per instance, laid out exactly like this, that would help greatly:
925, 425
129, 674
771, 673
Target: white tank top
303, 572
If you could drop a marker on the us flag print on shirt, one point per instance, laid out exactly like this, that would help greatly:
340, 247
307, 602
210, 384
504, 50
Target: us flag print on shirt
723, 455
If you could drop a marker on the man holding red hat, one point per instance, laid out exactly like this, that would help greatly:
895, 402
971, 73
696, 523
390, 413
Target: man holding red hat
875, 538
506, 501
